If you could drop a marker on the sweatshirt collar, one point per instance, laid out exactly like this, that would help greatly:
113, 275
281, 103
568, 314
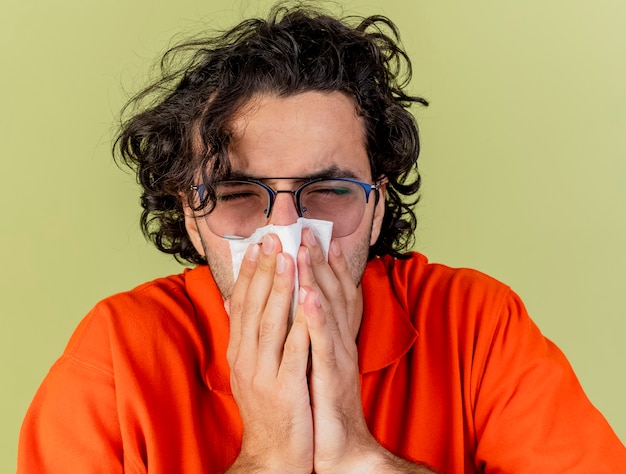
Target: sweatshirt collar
214, 328
386, 332
385, 335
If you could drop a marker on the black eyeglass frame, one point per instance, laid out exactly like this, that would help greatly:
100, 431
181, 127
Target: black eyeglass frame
272, 193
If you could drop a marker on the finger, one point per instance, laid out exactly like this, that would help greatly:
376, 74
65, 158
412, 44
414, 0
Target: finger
257, 294
315, 272
321, 316
312, 266
323, 347
274, 322
308, 279
352, 293
323, 273
295, 356
234, 305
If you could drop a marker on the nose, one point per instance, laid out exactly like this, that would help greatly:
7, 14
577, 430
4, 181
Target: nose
284, 210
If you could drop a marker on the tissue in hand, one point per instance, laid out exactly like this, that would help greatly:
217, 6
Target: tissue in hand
290, 237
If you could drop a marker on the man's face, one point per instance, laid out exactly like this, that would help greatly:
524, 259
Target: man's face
295, 136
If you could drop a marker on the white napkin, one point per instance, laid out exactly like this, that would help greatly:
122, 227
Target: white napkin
290, 237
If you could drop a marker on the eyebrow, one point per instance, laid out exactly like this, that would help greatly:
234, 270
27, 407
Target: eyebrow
330, 172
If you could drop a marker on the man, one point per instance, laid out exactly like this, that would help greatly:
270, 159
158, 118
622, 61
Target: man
390, 364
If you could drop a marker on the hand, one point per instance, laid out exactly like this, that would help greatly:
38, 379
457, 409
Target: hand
333, 308
287, 426
268, 367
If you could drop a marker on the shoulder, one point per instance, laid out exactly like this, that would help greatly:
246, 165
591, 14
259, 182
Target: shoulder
417, 269
416, 282
156, 294
149, 314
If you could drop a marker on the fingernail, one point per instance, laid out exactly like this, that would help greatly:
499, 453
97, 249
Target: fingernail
335, 248
301, 295
281, 263
308, 256
310, 238
268, 245
252, 253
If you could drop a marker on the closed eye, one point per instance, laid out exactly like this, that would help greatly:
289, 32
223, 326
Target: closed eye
332, 191
236, 196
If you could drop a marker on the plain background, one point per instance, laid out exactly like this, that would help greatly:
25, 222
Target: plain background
523, 162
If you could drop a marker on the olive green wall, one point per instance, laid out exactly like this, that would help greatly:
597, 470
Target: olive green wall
523, 161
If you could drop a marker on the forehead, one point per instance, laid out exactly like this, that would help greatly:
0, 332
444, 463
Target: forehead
299, 135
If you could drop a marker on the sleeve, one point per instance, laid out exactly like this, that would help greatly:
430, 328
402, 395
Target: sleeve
72, 423
530, 411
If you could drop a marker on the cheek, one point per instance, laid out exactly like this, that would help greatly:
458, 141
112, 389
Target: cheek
193, 226
355, 251
219, 261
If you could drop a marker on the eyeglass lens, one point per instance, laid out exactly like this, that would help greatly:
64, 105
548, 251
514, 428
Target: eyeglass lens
241, 206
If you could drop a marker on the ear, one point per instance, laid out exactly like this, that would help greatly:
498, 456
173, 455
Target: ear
379, 212
192, 227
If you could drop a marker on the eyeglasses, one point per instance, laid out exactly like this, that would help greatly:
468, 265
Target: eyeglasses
242, 206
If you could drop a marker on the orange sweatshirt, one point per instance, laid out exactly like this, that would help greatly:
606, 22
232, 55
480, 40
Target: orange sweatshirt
453, 372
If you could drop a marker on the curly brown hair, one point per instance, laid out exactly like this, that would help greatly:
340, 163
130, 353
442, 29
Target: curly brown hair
205, 81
